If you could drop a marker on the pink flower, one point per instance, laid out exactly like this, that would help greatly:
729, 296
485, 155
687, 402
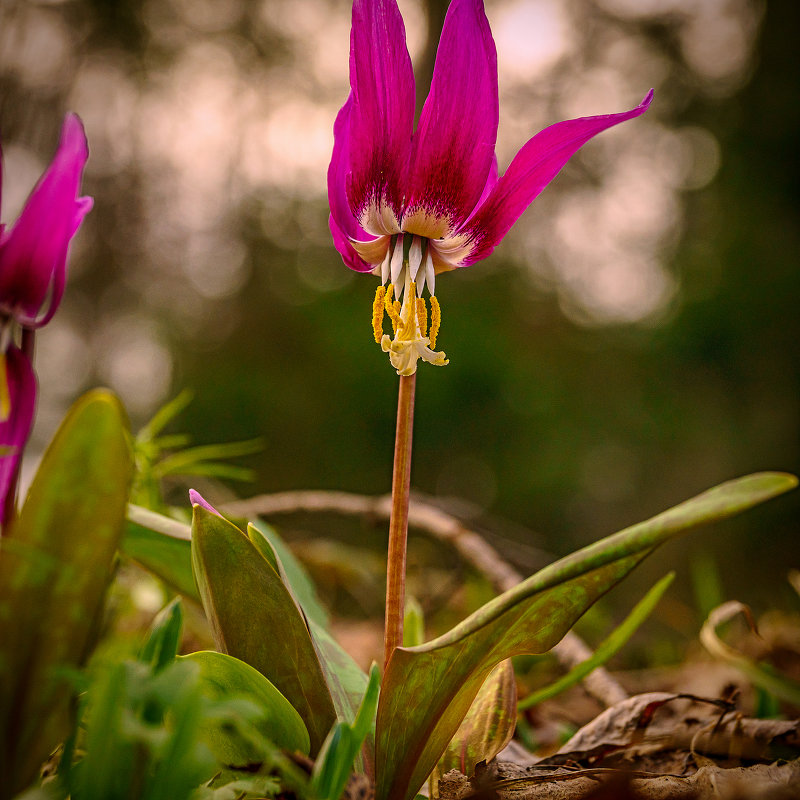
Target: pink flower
33, 262
408, 204
33, 252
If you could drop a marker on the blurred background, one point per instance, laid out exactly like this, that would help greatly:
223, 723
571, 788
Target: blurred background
632, 342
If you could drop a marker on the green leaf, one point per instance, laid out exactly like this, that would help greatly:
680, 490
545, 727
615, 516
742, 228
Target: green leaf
255, 618
55, 565
163, 546
486, 729
343, 744
164, 639
189, 460
609, 647
444, 675
346, 681
224, 677
165, 415
295, 575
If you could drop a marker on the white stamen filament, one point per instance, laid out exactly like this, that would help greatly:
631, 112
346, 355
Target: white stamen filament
385, 265
415, 257
430, 273
397, 260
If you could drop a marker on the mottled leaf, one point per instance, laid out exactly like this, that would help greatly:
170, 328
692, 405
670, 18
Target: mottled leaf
295, 577
55, 565
444, 675
255, 618
346, 681
487, 727
611, 645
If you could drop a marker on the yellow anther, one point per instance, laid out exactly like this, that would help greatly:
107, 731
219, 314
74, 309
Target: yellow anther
397, 321
422, 316
436, 320
378, 308
392, 307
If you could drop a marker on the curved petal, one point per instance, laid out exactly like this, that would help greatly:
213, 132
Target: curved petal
15, 428
454, 145
34, 252
338, 170
382, 118
534, 166
346, 250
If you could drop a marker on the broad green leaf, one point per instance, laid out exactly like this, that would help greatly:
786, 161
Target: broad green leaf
164, 638
346, 681
486, 729
343, 744
224, 677
55, 565
254, 618
295, 576
444, 675
162, 546
609, 647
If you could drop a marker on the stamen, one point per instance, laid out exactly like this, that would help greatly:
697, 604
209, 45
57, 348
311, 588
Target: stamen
397, 259
436, 320
430, 274
415, 257
392, 308
385, 263
422, 316
378, 308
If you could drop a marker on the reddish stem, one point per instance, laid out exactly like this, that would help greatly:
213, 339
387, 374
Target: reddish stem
398, 522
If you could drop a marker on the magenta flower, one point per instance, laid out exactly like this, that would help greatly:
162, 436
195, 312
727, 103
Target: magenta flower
33, 253
407, 205
33, 259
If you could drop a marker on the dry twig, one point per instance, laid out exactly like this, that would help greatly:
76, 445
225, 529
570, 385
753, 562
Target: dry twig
425, 516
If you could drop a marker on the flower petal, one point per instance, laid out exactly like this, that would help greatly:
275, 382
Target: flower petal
346, 250
342, 223
33, 253
16, 427
534, 166
454, 145
382, 118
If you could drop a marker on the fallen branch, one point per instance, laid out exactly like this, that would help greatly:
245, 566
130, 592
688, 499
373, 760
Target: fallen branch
425, 516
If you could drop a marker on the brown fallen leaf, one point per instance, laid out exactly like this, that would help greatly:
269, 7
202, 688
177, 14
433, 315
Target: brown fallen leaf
655, 721
505, 781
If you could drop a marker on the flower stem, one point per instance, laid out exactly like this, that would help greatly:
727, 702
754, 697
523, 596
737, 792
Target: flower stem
398, 522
